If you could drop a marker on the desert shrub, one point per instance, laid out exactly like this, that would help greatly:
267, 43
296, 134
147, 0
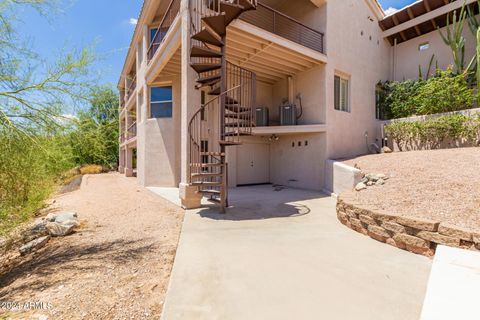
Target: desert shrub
91, 169
29, 169
400, 100
443, 92
457, 130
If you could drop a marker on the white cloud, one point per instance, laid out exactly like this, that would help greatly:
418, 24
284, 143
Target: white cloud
390, 11
65, 119
133, 21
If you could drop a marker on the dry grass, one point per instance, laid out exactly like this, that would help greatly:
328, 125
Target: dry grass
438, 184
91, 169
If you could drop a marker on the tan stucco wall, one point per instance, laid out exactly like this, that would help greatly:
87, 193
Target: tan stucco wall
300, 166
365, 59
159, 142
408, 57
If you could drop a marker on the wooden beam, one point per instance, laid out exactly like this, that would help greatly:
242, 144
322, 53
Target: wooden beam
429, 16
411, 16
427, 7
395, 21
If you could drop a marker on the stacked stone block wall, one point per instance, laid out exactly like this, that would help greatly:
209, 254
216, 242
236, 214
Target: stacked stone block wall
414, 234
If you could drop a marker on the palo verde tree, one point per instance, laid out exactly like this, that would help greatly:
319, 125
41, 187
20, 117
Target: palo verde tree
34, 95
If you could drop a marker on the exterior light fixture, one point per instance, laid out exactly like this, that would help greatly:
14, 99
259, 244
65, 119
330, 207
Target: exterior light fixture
274, 137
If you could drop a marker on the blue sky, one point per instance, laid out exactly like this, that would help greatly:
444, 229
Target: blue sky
395, 4
107, 23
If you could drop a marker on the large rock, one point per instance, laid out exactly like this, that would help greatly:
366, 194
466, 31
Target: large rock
33, 245
386, 150
39, 228
51, 217
62, 217
57, 229
361, 186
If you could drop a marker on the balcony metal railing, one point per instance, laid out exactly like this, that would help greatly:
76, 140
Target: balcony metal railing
131, 88
284, 26
170, 14
132, 131
122, 100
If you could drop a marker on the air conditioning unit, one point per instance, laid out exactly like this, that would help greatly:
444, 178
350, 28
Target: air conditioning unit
288, 114
261, 116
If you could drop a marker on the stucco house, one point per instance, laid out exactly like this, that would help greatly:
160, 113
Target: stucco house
218, 93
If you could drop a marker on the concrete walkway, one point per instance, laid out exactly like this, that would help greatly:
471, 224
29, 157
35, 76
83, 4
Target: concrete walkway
283, 255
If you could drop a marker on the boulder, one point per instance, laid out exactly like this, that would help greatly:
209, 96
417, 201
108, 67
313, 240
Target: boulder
39, 227
360, 186
57, 229
380, 182
372, 177
33, 245
386, 150
382, 176
65, 216
51, 217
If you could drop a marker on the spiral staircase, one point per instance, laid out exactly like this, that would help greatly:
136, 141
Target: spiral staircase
221, 121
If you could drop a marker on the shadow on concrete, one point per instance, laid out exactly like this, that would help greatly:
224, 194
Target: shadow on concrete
263, 202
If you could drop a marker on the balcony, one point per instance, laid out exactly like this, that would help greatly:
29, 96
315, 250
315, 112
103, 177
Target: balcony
131, 88
132, 131
284, 26
170, 14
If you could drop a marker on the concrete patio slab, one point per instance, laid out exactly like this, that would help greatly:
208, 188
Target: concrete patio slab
282, 254
453, 285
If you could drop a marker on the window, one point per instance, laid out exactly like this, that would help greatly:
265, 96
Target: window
342, 94
153, 32
158, 37
423, 46
161, 102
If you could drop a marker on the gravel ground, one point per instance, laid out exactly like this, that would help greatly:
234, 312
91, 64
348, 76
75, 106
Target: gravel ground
116, 266
436, 184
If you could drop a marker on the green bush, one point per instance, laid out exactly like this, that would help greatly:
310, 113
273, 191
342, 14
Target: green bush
444, 92
29, 168
457, 130
400, 98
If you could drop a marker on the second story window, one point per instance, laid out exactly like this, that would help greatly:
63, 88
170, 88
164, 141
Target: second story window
161, 102
342, 96
153, 32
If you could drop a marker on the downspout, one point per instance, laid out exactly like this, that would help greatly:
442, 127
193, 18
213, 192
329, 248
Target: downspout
394, 67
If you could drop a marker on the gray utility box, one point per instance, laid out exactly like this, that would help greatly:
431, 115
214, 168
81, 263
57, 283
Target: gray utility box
288, 115
261, 116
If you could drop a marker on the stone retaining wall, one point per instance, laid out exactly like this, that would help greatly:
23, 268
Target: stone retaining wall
416, 235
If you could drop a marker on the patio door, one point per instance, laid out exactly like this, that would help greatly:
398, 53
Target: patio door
253, 164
